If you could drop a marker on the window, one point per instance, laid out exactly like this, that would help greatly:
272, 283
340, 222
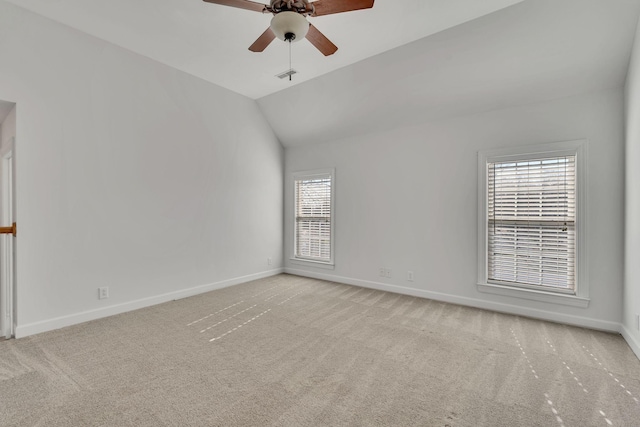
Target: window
530, 232
531, 222
313, 229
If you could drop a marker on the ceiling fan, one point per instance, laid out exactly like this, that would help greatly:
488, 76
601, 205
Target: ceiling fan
289, 22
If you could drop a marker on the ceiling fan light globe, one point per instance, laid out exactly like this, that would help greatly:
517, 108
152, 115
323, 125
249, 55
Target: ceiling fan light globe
289, 22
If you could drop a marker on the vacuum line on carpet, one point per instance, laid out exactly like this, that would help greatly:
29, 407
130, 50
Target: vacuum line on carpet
554, 410
213, 314
262, 292
279, 293
291, 297
535, 374
239, 326
555, 352
635, 399
230, 317
605, 418
568, 368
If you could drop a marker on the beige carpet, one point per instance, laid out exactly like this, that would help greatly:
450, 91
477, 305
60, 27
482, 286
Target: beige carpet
290, 351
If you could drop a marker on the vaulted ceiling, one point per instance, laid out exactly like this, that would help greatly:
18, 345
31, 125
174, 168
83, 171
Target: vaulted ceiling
399, 63
531, 52
211, 41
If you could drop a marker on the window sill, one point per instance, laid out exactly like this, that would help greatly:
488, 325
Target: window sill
532, 294
311, 263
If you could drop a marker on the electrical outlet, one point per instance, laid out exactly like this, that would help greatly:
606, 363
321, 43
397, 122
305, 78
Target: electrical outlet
103, 293
385, 272
638, 322
268, 261
410, 276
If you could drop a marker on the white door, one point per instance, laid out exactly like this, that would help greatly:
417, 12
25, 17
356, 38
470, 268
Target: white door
7, 241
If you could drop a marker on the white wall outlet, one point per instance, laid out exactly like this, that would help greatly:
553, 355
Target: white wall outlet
410, 276
638, 322
103, 292
385, 272
269, 261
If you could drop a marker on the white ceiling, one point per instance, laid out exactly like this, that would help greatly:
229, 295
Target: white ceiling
533, 51
401, 63
211, 41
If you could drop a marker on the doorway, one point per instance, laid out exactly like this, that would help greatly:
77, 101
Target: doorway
8, 292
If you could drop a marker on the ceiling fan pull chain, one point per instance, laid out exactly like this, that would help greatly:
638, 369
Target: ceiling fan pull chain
290, 60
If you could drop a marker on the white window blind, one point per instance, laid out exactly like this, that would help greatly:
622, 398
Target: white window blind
313, 217
531, 223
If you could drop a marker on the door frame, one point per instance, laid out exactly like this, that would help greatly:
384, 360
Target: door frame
7, 241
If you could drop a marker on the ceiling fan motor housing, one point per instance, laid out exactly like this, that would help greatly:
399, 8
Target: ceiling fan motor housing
289, 22
289, 26
303, 7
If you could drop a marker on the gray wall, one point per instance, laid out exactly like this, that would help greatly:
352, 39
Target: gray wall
631, 296
131, 175
407, 200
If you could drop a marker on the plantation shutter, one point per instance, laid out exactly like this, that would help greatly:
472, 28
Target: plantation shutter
531, 223
313, 217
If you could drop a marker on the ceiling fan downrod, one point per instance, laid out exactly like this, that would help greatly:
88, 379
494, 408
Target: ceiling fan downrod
290, 39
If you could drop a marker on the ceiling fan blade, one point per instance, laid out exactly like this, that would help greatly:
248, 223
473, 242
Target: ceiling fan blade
327, 7
241, 4
263, 41
320, 41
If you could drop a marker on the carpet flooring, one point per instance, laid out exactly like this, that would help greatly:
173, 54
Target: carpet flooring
292, 351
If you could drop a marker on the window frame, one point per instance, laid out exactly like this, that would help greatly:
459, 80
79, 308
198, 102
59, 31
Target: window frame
580, 296
311, 174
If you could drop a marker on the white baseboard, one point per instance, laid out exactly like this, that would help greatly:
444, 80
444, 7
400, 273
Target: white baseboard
85, 316
631, 340
471, 302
